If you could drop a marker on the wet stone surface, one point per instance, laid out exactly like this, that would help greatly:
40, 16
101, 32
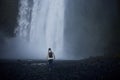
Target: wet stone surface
89, 69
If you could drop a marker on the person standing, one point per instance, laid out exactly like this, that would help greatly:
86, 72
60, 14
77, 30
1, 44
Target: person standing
51, 58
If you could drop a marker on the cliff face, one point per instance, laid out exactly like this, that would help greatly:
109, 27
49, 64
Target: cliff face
92, 27
8, 16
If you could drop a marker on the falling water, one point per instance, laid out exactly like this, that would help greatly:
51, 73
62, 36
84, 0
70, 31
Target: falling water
41, 24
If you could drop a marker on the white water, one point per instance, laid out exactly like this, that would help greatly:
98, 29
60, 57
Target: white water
42, 25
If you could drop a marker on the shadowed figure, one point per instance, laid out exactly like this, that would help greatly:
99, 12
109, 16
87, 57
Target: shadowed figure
51, 58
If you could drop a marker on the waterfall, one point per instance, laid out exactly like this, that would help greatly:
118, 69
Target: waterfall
41, 24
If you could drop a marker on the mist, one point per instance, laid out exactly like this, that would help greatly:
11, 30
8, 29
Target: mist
91, 28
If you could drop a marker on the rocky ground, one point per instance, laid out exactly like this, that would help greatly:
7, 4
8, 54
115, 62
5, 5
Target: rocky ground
88, 69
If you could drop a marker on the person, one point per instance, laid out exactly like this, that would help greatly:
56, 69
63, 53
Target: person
51, 57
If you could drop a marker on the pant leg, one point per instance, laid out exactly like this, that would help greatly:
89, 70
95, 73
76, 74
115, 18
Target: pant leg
50, 64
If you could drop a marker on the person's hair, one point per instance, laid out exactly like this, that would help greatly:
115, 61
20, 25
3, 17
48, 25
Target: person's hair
49, 49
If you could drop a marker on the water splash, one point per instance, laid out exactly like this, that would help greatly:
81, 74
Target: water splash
41, 24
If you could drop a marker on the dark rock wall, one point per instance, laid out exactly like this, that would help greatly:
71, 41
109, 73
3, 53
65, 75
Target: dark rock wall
92, 28
8, 16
